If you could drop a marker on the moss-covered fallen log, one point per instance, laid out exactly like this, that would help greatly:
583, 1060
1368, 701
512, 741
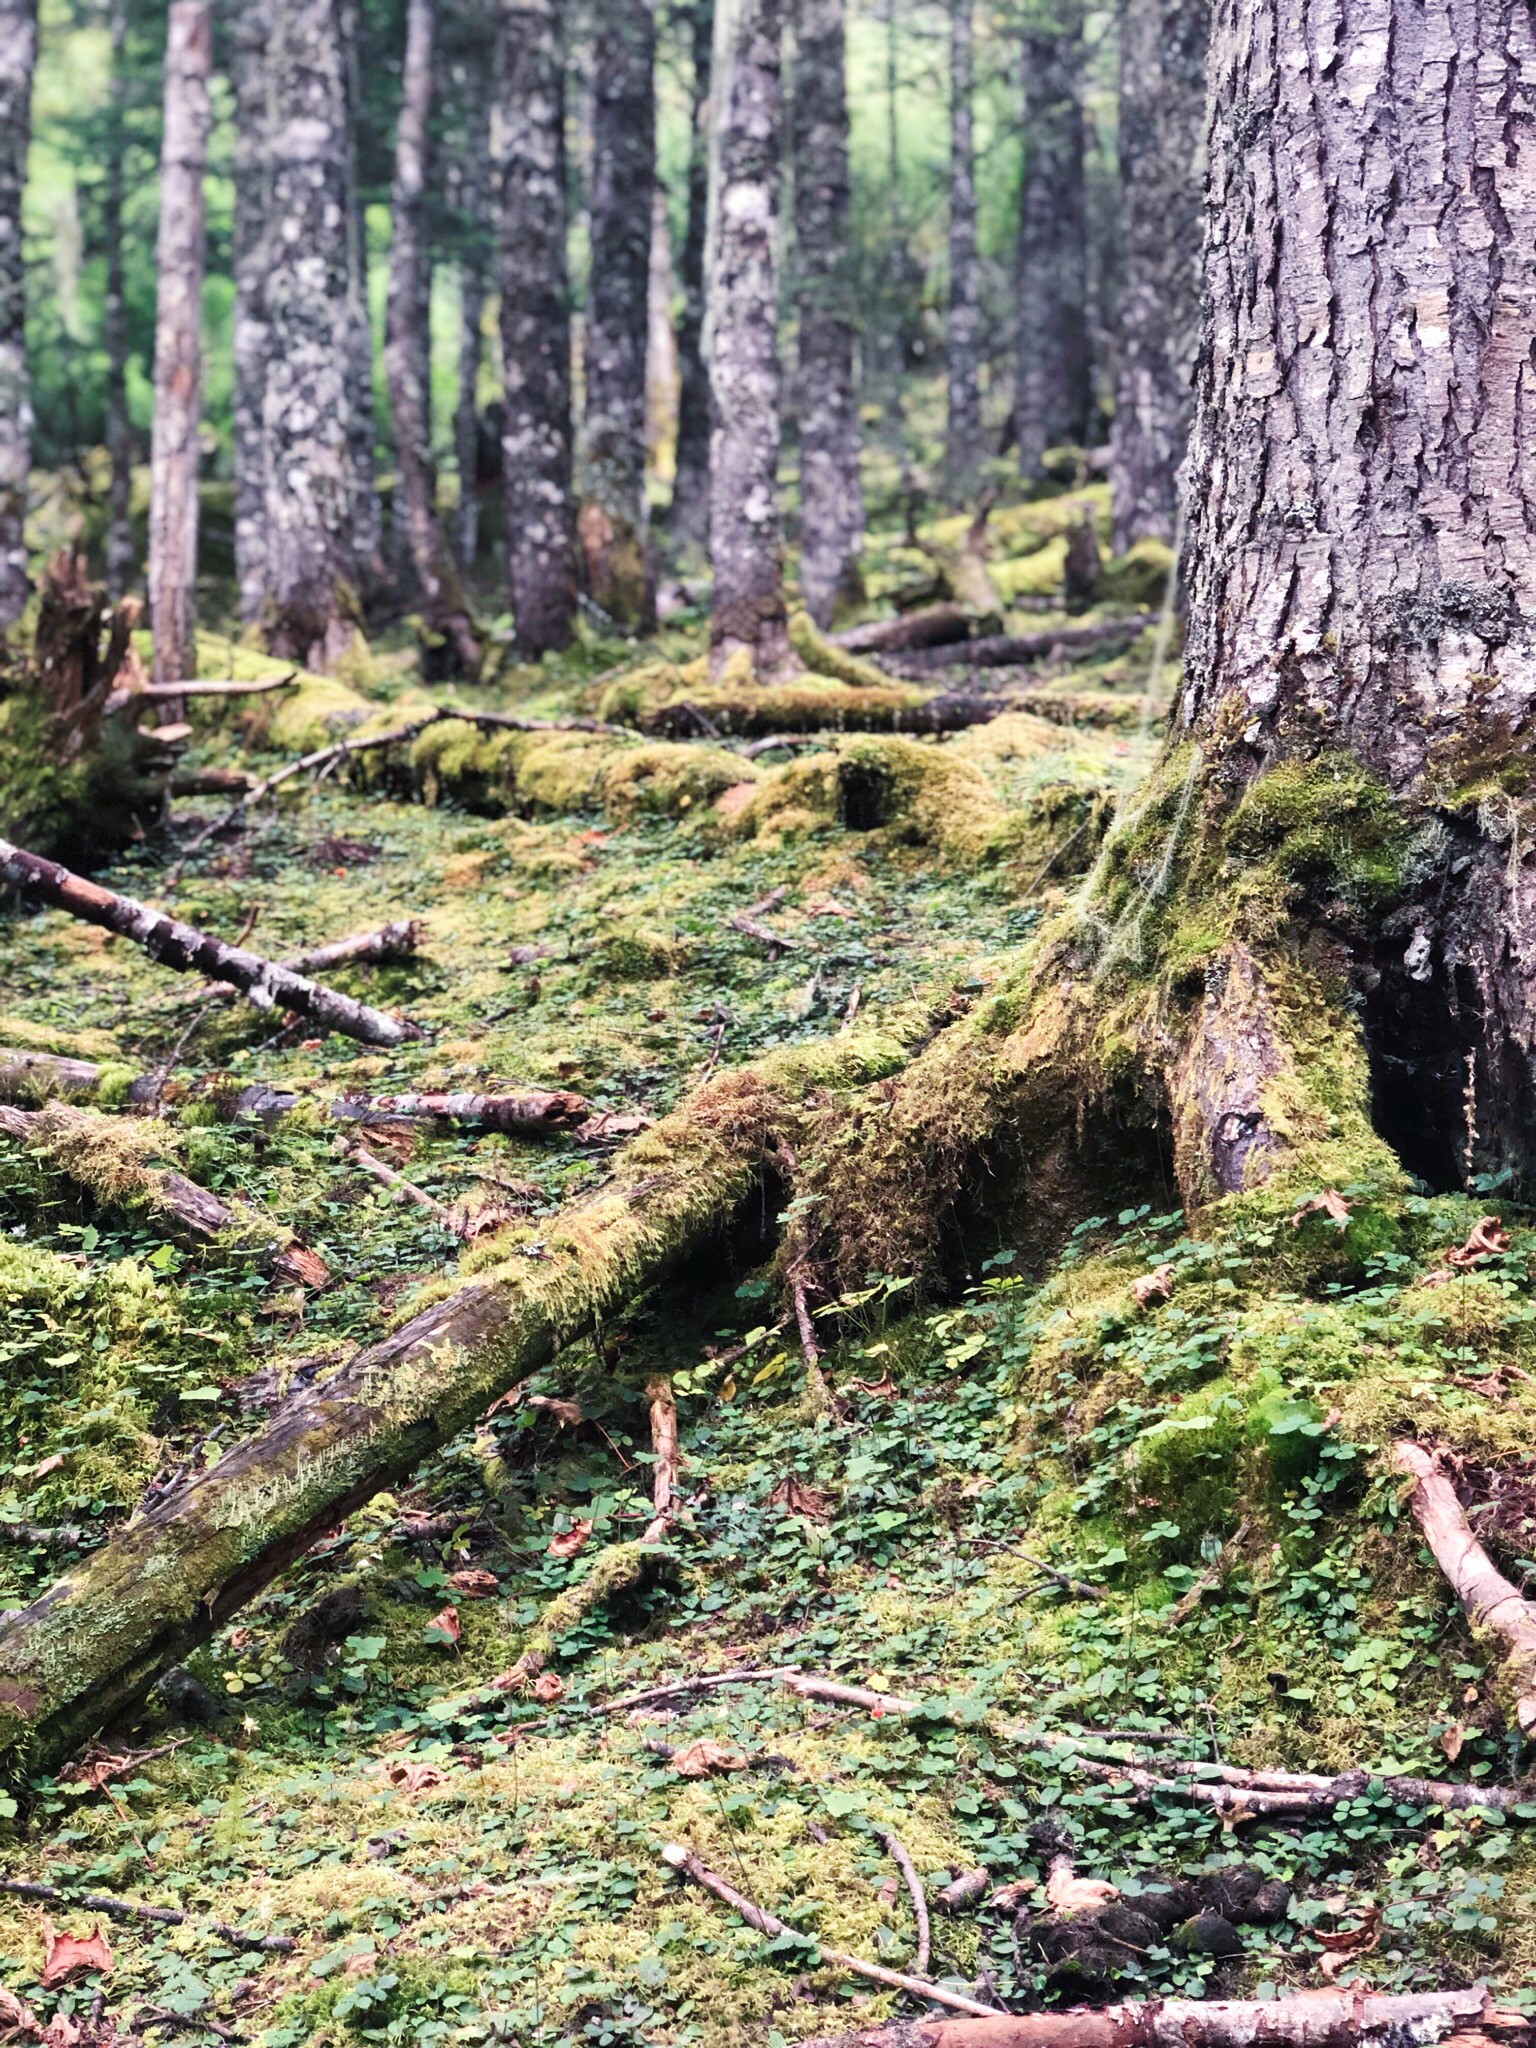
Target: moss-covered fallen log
96, 1640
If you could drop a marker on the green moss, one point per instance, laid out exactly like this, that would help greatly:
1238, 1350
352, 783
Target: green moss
824, 658
1037, 574
1139, 576
637, 952
1330, 823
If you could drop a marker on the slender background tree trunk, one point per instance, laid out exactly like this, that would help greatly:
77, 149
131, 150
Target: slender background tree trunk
407, 352
962, 419
178, 342
310, 556
688, 515
831, 504
536, 332
1162, 152
367, 515
474, 273
1362, 567
742, 345
613, 521
1053, 392
660, 340
250, 31
114, 320
18, 54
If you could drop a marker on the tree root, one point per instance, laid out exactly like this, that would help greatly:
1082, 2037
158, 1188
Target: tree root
265, 983
1491, 1603
169, 1577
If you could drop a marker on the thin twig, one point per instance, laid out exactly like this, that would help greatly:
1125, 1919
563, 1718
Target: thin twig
132, 1909
914, 1883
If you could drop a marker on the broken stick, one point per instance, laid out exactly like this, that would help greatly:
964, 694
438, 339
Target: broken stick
266, 983
914, 1884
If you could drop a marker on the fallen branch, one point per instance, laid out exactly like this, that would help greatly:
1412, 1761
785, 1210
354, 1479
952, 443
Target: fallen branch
182, 947
402, 1189
391, 942
1187, 1602
79, 1145
169, 693
935, 625
914, 1884
686, 1864
1488, 1599
1011, 650
173, 1574
131, 1909
1305, 2019
764, 934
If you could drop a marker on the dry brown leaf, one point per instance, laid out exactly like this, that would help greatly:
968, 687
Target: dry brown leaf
1452, 1740
1329, 1203
1153, 1287
549, 1685
701, 1758
64, 2031
49, 1464
567, 1413
797, 1498
407, 1776
1349, 1943
473, 1583
67, 1955
882, 1389
1488, 1240
1068, 1894
568, 1544
446, 1623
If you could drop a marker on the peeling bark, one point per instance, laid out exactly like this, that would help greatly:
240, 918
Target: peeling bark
962, 333
831, 502
1161, 153
612, 522
688, 513
174, 449
18, 54
1053, 396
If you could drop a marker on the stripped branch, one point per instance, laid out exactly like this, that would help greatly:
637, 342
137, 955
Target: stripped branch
165, 693
914, 1884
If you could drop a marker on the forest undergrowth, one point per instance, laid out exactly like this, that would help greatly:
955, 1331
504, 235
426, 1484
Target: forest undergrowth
1115, 1488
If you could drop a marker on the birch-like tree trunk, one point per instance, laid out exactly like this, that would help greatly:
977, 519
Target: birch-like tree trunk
114, 318
1053, 394
660, 340
962, 334
309, 603
745, 545
406, 353
612, 521
474, 283
252, 167
831, 502
688, 513
178, 341
1162, 152
367, 514
18, 54
536, 331
1362, 566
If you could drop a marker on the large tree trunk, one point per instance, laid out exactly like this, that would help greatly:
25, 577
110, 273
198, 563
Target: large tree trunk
831, 503
310, 559
407, 354
1053, 390
367, 514
536, 331
688, 513
612, 521
114, 319
962, 336
178, 341
18, 54
1363, 558
252, 168
748, 614
1162, 149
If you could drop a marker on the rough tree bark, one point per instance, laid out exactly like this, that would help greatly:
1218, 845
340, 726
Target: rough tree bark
962, 334
178, 341
1363, 538
474, 284
309, 601
1161, 151
1053, 394
612, 521
18, 54
367, 515
407, 362
249, 33
536, 331
114, 318
831, 503
748, 614
688, 513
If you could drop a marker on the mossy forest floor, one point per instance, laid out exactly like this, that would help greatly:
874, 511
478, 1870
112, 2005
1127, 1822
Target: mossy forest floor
452, 1876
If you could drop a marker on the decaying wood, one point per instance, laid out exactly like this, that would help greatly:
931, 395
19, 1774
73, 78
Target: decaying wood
688, 1865
71, 1142
97, 1639
131, 1909
914, 1884
1010, 650
265, 983
127, 697
935, 625
966, 1889
63, 1536
1491, 1603
1304, 2019
389, 943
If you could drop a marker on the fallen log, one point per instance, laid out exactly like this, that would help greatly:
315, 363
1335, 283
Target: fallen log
96, 1640
46, 1536
1010, 650
1490, 1602
87, 1150
266, 983
935, 625
1304, 2019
